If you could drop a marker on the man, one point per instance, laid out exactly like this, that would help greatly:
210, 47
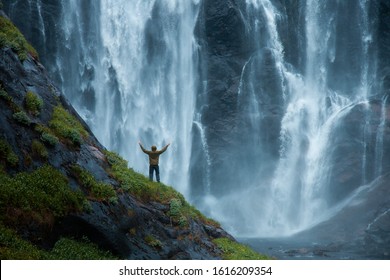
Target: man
154, 156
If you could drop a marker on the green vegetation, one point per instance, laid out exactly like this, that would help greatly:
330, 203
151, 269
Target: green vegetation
21, 117
33, 103
69, 249
9, 100
140, 186
66, 126
47, 135
12, 247
38, 196
153, 242
7, 155
39, 150
98, 190
236, 251
4, 95
11, 37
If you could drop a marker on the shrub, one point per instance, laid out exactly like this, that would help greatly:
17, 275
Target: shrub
11, 37
4, 95
98, 190
236, 251
33, 103
38, 195
22, 118
7, 155
47, 135
66, 126
153, 242
49, 138
70, 249
39, 150
12, 247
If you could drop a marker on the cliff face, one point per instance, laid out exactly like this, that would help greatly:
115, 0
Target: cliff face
45, 145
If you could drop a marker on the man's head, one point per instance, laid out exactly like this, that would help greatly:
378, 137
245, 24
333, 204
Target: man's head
154, 148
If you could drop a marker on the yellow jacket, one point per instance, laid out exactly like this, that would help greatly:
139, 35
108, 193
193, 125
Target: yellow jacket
153, 155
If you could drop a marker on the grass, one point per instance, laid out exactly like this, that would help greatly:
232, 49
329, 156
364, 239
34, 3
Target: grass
140, 186
12, 247
11, 37
33, 103
39, 196
47, 136
22, 118
39, 150
98, 190
66, 126
7, 155
236, 251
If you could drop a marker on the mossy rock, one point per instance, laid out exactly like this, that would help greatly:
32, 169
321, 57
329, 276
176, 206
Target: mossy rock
41, 195
66, 126
11, 37
235, 251
97, 190
7, 155
33, 103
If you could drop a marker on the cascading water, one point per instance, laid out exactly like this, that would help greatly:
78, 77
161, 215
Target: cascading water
141, 70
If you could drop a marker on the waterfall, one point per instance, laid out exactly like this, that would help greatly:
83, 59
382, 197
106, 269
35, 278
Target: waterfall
149, 50
142, 70
284, 193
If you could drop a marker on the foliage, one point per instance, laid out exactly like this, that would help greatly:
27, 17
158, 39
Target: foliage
47, 135
236, 251
39, 150
4, 95
39, 195
22, 118
152, 241
33, 103
145, 190
11, 37
9, 100
66, 126
98, 190
7, 155
69, 249
12, 247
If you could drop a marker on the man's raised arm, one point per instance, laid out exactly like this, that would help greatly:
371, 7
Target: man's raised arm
164, 149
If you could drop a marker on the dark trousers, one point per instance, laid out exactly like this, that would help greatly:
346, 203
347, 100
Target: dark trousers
153, 168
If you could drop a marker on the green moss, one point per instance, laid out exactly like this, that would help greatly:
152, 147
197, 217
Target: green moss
153, 242
39, 150
69, 249
21, 117
66, 126
5, 96
33, 103
47, 135
11, 37
7, 155
140, 186
12, 247
98, 190
236, 251
39, 195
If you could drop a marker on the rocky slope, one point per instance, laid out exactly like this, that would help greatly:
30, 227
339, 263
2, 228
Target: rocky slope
58, 181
